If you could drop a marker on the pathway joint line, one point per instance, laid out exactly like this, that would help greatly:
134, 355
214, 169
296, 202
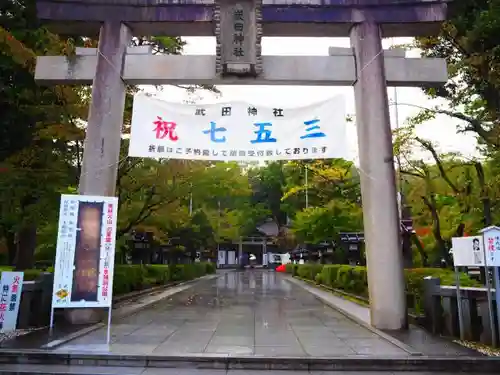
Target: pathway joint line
314, 291
124, 313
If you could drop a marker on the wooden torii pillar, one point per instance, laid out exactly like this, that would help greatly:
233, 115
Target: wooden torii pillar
366, 66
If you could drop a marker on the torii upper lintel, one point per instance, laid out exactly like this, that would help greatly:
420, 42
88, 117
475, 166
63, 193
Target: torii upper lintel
314, 18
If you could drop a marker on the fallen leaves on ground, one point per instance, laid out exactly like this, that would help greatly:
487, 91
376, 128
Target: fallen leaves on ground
481, 348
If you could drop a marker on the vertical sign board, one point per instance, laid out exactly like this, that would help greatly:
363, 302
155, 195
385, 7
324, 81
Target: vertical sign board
83, 270
11, 285
492, 249
238, 35
492, 246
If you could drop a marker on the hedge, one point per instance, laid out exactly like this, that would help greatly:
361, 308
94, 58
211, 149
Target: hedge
129, 278
354, 279
29, 275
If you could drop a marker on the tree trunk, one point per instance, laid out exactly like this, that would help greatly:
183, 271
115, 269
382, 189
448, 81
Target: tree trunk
460, 230
421, 251
436, 228
487, 215
485, 199
10, 241
26, 245
405, 235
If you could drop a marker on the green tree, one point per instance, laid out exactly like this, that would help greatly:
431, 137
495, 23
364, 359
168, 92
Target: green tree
469, 43
33, 170
446, 192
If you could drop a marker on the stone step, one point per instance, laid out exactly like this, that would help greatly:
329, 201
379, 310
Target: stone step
84, 370
108, 362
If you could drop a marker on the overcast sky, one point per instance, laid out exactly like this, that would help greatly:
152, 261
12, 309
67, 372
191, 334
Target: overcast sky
442, 130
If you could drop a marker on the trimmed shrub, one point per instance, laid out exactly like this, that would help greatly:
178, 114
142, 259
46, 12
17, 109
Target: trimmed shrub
354, 279
29, 275
158, 273
128, 278
309, 270
291, 268
210, 268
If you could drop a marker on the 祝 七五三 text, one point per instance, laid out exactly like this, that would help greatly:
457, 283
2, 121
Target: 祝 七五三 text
237, 131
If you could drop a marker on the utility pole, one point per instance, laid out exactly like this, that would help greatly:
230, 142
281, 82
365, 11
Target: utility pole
218, 226
191, 200
307, 187
406, 222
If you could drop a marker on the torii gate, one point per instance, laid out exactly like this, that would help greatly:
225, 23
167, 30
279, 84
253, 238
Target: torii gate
366, 66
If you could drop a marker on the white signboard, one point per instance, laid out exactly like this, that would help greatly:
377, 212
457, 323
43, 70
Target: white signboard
11, 286
468, 251
85, 255
231, 257
492, 246
221, 257
237, 131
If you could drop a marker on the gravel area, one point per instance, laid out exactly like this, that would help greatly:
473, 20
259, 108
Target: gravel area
17, 333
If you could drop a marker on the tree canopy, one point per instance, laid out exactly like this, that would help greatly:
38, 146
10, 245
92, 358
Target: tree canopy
204, 203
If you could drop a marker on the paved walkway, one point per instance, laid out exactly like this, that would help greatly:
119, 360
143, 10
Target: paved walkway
254, 313
415, 338
84, 370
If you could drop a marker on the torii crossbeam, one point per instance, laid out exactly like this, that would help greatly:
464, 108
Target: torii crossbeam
319, 18
338, 69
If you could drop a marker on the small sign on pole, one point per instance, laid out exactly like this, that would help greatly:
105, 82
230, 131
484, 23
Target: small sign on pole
85, 253
11, 286
466, 251
492, 258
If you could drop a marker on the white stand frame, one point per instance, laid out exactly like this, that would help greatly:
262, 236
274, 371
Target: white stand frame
108, 328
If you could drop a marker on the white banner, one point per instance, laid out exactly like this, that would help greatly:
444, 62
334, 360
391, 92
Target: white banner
11, 287
468, 251
237, 131
85, 255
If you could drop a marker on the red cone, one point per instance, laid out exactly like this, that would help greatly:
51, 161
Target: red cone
281, 268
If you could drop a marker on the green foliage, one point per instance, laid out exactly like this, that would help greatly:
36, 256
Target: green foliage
292, 269
315, 224
469, 43
449, 196
333, 196
309, 271
41, 142
38, 129
29, 275
354, 279
129, 278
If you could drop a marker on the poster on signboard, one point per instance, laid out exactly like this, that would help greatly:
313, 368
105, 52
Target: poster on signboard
468, 251
11, 286
491, 237
237, 131
85, 253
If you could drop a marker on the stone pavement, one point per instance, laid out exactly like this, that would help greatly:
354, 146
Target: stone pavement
415, 338
81, 370
249, 313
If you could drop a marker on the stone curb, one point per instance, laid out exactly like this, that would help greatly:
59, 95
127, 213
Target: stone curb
126, 297
383, 335
224, 362
117, 314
